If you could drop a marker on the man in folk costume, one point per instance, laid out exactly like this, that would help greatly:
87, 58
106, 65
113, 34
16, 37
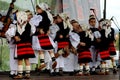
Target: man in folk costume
96, 39
12, 46
110, 35
84, 55
9, 35
44, 40
62, 39
23, 38
103, 48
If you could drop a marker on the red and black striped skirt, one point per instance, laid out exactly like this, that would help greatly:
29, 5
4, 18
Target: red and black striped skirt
84, 57
45, 42
24, 50
112, 49
62, 44
104, 54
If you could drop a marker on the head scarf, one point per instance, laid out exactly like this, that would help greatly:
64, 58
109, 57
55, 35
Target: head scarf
66, 20
21, 21
46, 8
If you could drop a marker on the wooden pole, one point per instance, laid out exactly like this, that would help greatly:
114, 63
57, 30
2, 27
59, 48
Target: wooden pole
104, 12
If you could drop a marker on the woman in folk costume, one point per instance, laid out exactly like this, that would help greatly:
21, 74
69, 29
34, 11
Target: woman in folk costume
84, 55
62, 35
53, 29
96, 34
74, 41
45, 41
32, 60
9, 35
71, 61
23, 40
103, 48
62, 39
36, 51
109, 32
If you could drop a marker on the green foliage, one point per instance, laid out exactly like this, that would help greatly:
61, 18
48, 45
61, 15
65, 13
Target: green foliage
46, 1
5, 6
4, 55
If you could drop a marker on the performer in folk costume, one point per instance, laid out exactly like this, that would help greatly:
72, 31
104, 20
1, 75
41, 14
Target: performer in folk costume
62, 35
29, 14
103, 48
9, 35
23, 35
84, 55
110, 35
45, 41
62, 39
96, 39
32, 60
71, 61
53, 29
74, 41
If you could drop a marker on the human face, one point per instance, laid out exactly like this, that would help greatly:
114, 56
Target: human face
59, 19
92, 22
77, 27
29, 17
38, 9
29, 14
